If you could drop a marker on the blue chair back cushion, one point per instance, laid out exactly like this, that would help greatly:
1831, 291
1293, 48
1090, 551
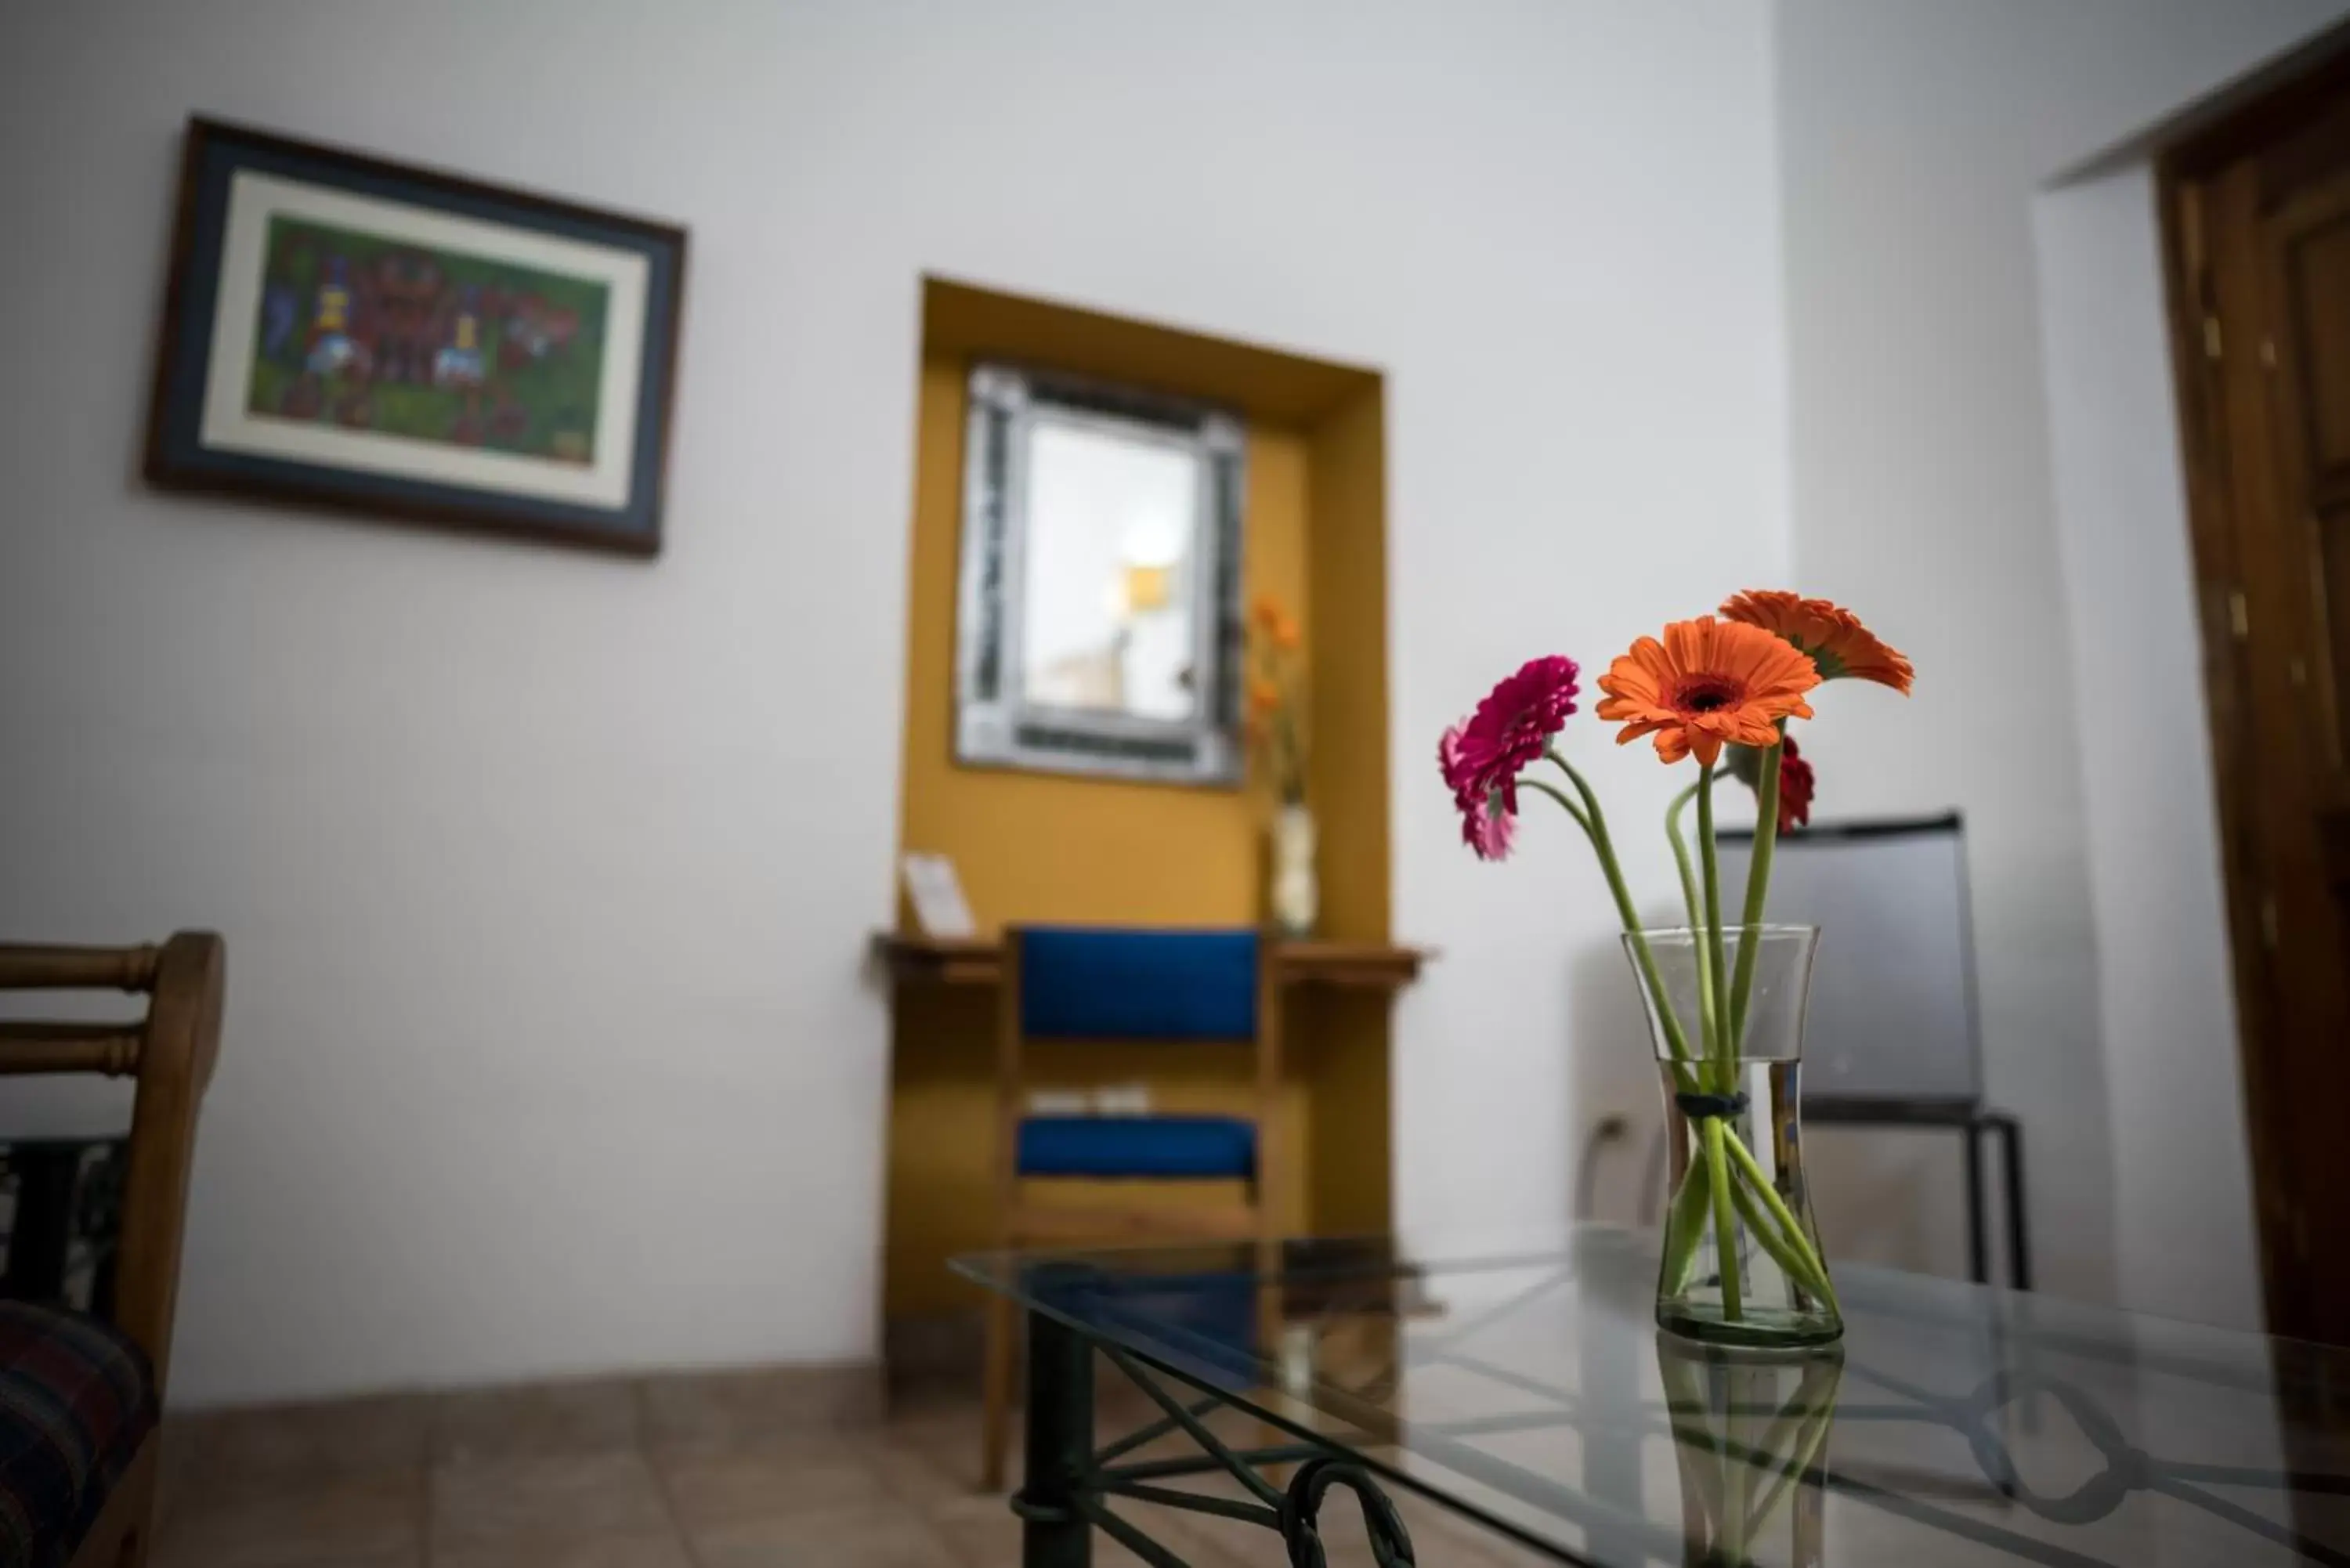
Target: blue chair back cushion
1091, 983
76, 1399
1197, 1148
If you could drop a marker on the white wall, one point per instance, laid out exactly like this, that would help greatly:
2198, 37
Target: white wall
1914, 135
2183, 1202
545, 876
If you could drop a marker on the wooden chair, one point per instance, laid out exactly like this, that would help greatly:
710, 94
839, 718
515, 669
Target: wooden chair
97, 1490
1102, 985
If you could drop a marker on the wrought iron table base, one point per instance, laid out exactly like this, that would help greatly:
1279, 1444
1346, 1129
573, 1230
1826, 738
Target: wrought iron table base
1070, 1483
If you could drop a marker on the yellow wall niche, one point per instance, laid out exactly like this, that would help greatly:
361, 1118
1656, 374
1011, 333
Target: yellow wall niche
1032, 847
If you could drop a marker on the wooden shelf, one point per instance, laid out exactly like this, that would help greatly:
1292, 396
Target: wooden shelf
913, 960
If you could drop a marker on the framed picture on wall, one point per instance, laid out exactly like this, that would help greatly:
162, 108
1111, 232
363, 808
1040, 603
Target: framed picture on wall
397, 341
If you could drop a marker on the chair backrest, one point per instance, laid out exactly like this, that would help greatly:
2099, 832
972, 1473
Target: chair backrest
1897, 942
1117, 984
1111, 983
171, 1052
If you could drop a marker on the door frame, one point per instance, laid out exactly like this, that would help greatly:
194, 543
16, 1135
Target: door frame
2312, 77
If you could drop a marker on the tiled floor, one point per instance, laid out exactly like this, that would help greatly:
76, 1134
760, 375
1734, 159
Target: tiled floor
725, 1470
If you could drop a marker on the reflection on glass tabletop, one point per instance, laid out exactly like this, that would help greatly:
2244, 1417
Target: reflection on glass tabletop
1529, 1389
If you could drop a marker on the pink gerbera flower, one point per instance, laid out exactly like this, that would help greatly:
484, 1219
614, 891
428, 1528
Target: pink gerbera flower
1449, 762
1509, 729
1489, 829
1487, 825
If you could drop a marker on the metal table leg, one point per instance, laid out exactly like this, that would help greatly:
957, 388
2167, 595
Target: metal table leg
1978, 1243
1060, 1447
2018, 1247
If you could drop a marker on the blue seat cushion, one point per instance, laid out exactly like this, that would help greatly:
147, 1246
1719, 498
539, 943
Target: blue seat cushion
1192, 1148
76, 1401
1088, 983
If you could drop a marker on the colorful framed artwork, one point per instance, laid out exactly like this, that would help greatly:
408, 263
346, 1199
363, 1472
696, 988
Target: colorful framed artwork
397, 341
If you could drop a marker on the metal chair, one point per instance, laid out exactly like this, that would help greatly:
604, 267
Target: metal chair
1103, 985
1892, 896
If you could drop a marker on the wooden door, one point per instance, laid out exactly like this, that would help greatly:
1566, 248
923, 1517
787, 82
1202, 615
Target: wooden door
2258, 214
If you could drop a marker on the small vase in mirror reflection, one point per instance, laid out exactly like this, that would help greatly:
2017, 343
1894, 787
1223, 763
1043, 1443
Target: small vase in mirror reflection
1296, 899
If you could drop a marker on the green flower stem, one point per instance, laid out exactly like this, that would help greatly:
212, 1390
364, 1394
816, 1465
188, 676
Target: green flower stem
1753, 1172
1696, 1449
1711, 957
1681, 856
1681, 1223
1711, 1025
1793, 1255
1758, 884
1738, 1504
1595, 825
1725, 1239
1814, 1433
1718, 1170
1687, 1213
1559, 796
1711, 1179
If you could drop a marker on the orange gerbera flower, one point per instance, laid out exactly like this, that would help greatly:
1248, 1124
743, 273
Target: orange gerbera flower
1709, 682
1831, 634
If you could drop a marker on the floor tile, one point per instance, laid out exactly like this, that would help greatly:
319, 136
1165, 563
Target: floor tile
536, 1420
996, 1542
627, 1549
365, 1523
927, 1478
728, 1471
951, 1464
406, 1557
710, 1492
570, 1496
706, 1410
892, 1538
265, 1450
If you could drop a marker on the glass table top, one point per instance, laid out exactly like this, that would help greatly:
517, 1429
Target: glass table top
1529, 1389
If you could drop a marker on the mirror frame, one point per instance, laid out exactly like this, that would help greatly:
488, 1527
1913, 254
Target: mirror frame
995, 724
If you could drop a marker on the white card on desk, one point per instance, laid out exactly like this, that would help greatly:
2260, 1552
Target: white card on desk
936, 893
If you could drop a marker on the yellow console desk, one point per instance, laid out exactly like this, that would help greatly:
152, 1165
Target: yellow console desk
979, 960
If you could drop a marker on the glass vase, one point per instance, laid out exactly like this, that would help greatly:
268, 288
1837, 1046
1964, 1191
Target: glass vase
1742, 1260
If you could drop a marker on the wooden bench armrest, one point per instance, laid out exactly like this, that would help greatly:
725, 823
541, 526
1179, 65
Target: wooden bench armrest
172, 1056
78, 969
175, 1067
27, 1049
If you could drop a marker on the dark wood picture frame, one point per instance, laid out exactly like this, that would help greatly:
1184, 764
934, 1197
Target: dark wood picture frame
178, 457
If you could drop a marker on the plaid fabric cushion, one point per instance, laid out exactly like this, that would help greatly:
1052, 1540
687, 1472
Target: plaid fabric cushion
76, 1399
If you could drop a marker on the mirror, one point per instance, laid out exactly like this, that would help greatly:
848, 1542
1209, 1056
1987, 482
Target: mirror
1101, 612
